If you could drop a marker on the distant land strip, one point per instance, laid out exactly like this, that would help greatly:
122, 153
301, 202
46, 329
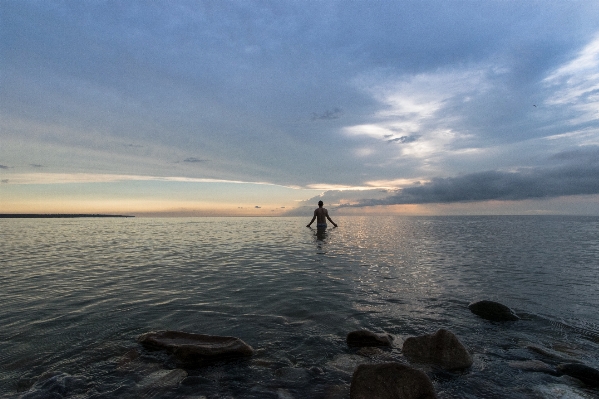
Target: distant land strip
60, 215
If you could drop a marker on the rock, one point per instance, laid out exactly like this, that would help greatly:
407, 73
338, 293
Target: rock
160, 380
533, 365
56, 386
193, 348
336, 392
347, 363
493, 311
441, 348
369, 351
284, 394
559, 391
586, 374
390, 381
127, 358
368, 338
551, 354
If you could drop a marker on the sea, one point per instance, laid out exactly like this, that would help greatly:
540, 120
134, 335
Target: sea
75, 294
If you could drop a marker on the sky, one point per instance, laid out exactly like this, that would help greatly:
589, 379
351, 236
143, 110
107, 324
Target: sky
262, 108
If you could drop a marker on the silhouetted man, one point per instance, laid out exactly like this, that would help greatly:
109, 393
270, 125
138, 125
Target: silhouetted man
321, 214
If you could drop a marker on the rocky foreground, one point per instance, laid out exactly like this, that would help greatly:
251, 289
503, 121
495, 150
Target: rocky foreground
371, 379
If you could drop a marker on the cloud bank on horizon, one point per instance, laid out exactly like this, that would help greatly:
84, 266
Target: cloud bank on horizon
372, 103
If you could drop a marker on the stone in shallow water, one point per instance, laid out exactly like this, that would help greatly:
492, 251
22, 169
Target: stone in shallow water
441, 348
368, 338
347, 363
390, 381
192, 348
560, 391
551, 354
493, 311
56, 385
160, 380
586, 374
533, 365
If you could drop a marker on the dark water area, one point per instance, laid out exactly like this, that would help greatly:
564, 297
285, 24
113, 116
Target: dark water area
76, 293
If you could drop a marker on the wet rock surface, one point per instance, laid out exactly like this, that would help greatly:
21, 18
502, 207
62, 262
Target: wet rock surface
533, 365
493, 311
390, 381
362, 338
586, 374
56, 385
196, 348
442, 348
161, 379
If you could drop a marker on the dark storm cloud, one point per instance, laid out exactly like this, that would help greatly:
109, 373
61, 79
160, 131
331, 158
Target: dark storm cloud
579, 155
495, 185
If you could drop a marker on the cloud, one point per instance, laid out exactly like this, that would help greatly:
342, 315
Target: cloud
576, 84
194, 160
257, 207
403, 139
328, 115
62, 178
35, 165
4, 181
578, 176
3, 167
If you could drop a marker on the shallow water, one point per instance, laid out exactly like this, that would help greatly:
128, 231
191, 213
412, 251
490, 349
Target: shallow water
76, 293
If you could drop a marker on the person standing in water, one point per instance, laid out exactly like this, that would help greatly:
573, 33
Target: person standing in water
321, 214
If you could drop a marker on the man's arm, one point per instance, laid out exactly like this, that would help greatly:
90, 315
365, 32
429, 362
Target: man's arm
312, 221
330, 220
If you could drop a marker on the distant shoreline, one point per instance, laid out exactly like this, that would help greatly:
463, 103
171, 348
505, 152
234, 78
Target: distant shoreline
60, 215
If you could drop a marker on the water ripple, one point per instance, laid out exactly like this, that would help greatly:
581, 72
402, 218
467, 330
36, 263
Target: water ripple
76, 294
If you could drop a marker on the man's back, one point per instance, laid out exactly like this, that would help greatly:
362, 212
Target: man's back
321, 215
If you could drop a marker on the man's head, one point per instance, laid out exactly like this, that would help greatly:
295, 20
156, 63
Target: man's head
320, 204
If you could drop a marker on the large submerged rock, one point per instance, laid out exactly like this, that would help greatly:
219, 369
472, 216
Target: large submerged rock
493, 311
586, 374
442, 348
368, 338
390, 381
193, 348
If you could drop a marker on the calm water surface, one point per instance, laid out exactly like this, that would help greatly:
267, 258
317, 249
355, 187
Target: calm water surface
76, 293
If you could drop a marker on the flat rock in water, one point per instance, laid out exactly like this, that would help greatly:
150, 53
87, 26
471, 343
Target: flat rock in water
368, 338
190, 348
551, 354
441, 348
586, 374
533, 365
493, 311
390, 381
